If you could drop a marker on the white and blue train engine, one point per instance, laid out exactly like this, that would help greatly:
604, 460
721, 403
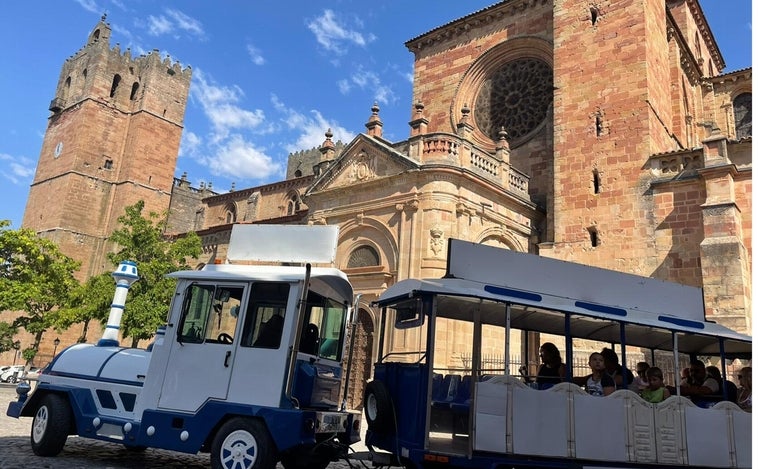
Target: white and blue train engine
248, 368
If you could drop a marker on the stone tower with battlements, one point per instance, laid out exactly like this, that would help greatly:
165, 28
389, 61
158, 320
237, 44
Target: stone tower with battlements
112, 139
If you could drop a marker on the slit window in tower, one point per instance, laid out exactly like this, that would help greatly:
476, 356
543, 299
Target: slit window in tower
596, 181
594, 239
598, 125
593, 15
114, 86
135, 88
108, 164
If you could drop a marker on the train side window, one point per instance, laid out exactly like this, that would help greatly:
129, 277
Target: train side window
266, 310
223, 317
195, 311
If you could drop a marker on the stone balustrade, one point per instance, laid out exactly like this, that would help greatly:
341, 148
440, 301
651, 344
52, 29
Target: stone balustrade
445, 148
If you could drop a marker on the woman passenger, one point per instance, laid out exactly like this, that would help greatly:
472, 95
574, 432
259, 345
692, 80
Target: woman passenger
553, 370
745, 396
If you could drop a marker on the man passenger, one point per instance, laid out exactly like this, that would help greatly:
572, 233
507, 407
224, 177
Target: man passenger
702, 384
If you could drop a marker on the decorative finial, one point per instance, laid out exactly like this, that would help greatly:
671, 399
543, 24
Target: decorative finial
419, 107
502, 134
375, 109
465, 111
328, 142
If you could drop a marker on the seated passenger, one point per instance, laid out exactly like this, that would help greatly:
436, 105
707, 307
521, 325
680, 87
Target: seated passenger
702, 384
745, 395
309, 339
640, 381
599, 383
270, 334
620, 374
553, 370
686, 378
655, 391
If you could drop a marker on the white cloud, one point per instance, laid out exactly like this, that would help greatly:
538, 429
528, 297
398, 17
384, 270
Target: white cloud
311, 127
186, 23
255, 55
334, 35
369, 81
174, 22
344, 86
191, 143
239, 159
89, 5
219, 104
159, 25
18, 170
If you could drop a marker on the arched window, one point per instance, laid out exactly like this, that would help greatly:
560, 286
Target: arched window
231, 214
66, 88
114, 86
293, 204
135, 88
743, 115
364, 256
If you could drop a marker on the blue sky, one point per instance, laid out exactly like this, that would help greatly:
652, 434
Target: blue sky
268, 77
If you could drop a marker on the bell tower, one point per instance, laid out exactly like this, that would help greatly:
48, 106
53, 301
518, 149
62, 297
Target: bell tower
112, 139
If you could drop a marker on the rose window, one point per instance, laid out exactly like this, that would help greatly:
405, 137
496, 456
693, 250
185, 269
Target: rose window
516, 96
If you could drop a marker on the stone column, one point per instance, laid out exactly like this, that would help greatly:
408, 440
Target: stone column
724, 258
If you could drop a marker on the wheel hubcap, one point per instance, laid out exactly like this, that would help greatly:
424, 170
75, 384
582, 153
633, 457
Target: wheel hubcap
40, 424
371, 407
239, 450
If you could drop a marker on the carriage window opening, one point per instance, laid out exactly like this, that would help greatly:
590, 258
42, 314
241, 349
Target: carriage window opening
266, 310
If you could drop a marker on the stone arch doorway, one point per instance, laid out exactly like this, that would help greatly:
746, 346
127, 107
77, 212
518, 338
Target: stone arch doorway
360, 370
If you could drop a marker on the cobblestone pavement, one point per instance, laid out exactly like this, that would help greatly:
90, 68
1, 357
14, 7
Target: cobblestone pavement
16, 451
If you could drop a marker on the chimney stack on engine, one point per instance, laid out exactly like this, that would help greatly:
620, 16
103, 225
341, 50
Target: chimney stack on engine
124, 275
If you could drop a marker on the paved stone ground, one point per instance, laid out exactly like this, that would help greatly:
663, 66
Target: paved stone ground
16, 451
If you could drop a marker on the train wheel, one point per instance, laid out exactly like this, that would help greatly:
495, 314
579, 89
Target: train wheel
377, 405
243, 444
50, 425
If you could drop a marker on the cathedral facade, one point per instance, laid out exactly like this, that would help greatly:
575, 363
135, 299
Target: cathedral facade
602, 132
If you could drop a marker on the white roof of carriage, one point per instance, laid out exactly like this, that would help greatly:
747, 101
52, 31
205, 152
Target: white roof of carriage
537, 311
335, 278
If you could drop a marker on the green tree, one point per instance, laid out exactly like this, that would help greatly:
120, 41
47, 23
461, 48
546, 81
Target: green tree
141, 239
90, 301
7, 331
36, 279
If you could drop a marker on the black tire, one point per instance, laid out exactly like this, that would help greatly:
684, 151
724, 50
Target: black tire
50, 426
243, 444
378, 408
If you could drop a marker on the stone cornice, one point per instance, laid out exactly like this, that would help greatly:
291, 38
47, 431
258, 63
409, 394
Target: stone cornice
706, 33
476, 19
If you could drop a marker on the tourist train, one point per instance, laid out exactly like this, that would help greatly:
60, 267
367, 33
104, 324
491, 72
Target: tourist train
427, 407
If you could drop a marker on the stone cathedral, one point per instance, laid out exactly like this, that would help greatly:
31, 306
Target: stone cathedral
599, 132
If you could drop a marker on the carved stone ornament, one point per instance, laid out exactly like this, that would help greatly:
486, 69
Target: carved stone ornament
363, 167
436, 241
